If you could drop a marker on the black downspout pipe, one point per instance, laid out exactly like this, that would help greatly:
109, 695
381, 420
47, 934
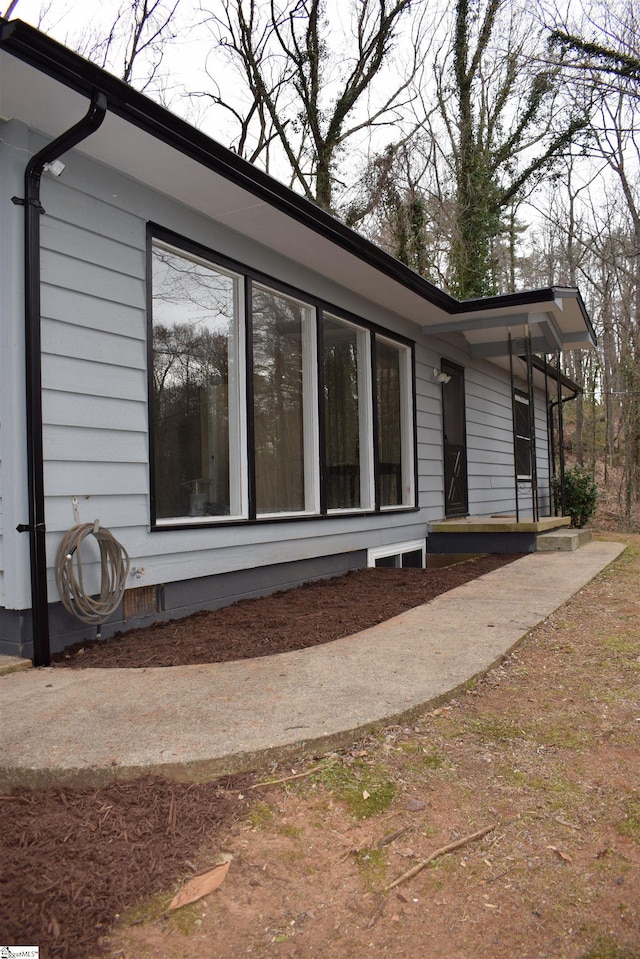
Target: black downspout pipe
513, 419
35, 459
561, 459
561, 437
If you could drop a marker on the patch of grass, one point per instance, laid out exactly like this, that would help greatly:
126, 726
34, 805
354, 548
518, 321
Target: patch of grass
514, 777
293, 857
372, 864
605, 948
494, 729
562, 794
290, 831
622, 642
404, 746
433, 759
630, 825
365, 790
261, 816
153, 910
563, 736
149, 911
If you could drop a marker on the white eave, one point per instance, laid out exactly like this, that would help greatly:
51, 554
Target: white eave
47, 87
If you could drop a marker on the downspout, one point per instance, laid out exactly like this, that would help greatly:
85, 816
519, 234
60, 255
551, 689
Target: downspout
550, 450
535, 507
35, 459
561, 462
513, 430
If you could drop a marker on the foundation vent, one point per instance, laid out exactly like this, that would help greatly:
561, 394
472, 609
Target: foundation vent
139, 602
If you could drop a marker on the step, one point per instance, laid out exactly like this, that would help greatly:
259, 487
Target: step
563, 539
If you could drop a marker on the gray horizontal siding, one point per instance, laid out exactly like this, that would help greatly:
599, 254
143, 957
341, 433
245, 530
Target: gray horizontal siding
95, 394
96, 412
112, 349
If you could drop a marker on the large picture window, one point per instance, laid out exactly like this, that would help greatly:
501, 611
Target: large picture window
263, 405
283, 415
196, 387
347, 420
395, 423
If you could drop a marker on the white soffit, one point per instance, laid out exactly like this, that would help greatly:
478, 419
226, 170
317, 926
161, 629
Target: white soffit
51, 108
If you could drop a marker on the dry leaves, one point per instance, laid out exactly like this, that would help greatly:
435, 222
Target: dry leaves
560, 854
202, 884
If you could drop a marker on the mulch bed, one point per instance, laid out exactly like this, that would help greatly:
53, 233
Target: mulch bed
308, 615
72, 860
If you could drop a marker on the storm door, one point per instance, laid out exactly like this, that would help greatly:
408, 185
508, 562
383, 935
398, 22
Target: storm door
456, 493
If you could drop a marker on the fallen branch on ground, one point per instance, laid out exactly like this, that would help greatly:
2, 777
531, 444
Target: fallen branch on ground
288, 779
451, 847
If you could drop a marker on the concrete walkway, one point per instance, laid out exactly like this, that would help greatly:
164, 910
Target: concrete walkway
197, 722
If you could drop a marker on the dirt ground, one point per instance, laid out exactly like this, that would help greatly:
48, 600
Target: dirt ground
544, 753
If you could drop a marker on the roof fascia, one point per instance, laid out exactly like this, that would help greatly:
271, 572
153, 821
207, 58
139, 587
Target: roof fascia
548, 295
551, 373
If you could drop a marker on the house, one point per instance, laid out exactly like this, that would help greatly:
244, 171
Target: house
243, 391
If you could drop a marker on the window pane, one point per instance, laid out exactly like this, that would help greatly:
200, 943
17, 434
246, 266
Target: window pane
387, 562
453, 410
390, 423
523, 438
281, 344
195, 387
345, 395
412, 560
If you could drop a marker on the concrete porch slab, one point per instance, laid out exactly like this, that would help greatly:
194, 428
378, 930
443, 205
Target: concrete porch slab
498, 524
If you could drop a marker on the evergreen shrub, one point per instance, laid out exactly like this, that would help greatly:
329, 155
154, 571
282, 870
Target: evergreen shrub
580, 493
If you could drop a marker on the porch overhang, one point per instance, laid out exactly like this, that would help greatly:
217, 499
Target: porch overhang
495, 329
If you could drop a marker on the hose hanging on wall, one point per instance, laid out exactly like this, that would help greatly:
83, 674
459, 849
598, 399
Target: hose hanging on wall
114, 568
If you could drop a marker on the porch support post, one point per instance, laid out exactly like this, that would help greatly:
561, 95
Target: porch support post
513, 418
532, 428
549, 409
560, 437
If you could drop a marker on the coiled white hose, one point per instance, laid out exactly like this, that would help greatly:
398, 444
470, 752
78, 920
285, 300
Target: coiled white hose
114, 567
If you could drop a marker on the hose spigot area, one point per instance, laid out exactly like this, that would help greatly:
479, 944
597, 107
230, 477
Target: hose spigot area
70, 577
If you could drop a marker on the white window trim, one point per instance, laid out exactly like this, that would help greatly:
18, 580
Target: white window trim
396, 549
239, 453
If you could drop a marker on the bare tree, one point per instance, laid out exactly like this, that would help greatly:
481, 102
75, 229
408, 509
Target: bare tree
134, 44
603, 44
495, 122
506, 123
311, 85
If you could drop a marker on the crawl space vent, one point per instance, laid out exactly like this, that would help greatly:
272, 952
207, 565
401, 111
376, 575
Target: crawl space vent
139, 602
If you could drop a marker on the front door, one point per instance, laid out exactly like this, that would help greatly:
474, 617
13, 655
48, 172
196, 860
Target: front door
456, 493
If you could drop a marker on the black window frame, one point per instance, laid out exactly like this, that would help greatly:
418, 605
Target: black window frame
250, 276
